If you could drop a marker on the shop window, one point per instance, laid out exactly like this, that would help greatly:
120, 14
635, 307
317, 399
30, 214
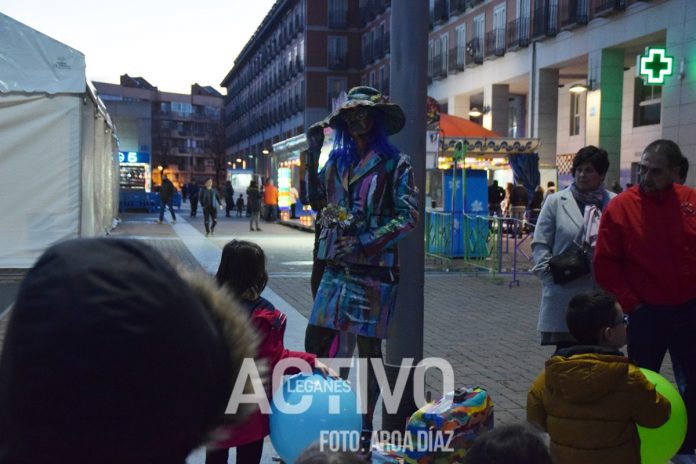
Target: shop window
575, 113
647, 104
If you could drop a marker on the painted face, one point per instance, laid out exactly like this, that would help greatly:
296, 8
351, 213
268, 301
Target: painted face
655, 172
587, 178
359, 121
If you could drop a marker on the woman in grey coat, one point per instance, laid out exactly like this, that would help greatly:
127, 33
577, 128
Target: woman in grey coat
571, 215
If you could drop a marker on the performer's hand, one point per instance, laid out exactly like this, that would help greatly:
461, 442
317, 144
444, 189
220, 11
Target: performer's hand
325, 370
315, 137
346, 246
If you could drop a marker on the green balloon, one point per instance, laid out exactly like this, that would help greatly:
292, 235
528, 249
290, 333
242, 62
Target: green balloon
659, 445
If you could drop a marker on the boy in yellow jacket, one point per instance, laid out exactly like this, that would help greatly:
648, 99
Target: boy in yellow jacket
590, 397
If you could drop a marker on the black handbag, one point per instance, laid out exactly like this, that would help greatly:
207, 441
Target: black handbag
569, 265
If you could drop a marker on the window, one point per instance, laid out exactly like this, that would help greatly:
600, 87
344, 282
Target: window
337, 50
381, 80
431, 55
372, 79
499, 19
647, 103
461, 45
366, 49
335, 86
575, 113
479, 30
338, 13
444, 46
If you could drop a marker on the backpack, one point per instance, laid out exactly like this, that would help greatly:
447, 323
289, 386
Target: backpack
451, 423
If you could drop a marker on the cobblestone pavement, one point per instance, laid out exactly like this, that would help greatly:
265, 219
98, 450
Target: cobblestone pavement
484, 327
481, 325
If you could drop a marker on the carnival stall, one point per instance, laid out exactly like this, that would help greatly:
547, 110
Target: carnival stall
465, 155
289, 172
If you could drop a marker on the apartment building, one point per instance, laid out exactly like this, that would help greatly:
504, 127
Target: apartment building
301, 58
182, 133
565, 71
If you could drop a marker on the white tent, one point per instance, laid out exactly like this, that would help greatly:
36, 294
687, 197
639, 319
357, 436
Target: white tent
58, 151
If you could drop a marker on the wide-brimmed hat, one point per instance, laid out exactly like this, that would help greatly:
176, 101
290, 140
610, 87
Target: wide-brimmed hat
394, 118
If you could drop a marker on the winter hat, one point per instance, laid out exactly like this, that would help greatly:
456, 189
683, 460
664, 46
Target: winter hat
394, 118
110, 357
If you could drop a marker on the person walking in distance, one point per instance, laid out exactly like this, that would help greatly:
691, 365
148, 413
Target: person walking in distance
229, 198
210, 201
194, 191
240, 205
254, 205
167, 192
294, 203
270, 200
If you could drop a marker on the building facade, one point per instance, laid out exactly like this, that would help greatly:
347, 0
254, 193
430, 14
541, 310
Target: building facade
182, 133
521, 63
301, 58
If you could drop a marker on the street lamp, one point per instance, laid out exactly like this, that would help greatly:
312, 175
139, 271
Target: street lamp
477, 113
578, 88
265, 151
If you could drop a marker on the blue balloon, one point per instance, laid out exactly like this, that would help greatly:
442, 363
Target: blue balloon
307, 408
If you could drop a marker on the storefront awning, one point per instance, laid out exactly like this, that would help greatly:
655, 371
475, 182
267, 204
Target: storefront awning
454, 126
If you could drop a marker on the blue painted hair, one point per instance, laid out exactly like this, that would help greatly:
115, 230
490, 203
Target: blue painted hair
344, 148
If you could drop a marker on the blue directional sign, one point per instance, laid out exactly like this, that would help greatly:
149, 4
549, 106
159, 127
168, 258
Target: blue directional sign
133, 157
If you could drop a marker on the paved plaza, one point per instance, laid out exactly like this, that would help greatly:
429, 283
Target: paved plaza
483, 326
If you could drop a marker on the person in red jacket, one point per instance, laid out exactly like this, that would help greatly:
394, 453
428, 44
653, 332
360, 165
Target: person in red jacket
646, 256
242, 271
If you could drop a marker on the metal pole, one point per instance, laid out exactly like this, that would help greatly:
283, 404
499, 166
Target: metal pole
408, 88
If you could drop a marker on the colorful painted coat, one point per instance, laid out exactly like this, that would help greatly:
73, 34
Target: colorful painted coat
358, 291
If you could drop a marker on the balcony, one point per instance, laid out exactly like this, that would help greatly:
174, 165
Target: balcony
367, 56
440, 15
518, 33
545, 22
573, 13
495, 42
337, 62
608, 7
456, 59
439, 67
474, 52
377, 49
372, 9
457, 7
384, 86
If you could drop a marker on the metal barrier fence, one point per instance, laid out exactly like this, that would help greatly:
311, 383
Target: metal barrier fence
455, 241
138, 200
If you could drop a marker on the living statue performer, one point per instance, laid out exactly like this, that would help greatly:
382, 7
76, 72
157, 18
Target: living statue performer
369, 203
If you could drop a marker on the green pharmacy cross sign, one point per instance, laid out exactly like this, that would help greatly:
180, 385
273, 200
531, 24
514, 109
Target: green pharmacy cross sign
655, 65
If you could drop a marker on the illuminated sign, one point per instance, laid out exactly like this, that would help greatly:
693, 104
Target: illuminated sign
284, 182
133, 157
655, 66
